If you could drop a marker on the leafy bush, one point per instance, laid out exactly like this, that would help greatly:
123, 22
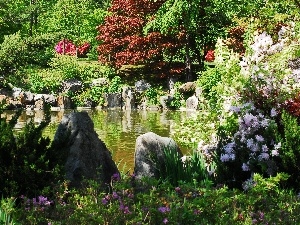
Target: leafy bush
40, 48
115, 85
44, 81
162, 203
290, 148
177, 99
152, 95
27, 162
208, 80
13, 54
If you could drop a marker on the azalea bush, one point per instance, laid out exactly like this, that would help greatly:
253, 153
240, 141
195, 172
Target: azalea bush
67, 47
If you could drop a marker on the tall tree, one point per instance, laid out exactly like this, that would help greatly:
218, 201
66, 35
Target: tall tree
76, 19
201, 21
122, 37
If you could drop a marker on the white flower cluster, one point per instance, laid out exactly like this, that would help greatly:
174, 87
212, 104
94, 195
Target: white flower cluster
269, 77
250, 138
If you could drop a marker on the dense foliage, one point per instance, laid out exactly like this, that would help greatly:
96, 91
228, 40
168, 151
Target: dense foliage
123, 42
245, 169
28, 163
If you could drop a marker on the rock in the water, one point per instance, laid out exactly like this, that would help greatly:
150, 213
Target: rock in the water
88, 156
165, 101
149, 150
128, 97
192, 103
114, 100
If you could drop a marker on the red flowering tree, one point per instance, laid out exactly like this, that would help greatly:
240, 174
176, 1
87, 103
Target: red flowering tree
123, 41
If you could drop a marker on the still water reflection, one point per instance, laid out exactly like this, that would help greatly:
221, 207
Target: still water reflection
116, 128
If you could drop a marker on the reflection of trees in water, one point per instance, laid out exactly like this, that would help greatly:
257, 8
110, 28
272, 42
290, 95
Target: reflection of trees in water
116, 128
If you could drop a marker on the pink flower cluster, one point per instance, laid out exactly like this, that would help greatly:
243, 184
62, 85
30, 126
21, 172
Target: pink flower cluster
67, 47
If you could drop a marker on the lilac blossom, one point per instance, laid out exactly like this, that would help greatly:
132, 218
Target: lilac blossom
274, 153
273, 112
259, 138
245, 167
263, 156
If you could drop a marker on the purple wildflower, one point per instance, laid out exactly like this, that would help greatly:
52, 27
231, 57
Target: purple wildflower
165, 220
130, 195
104, 201
115, 195
197, 212
116, 177
177, 189
164, 209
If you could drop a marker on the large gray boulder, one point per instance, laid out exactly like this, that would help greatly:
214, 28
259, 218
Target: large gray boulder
149, 154
88, 157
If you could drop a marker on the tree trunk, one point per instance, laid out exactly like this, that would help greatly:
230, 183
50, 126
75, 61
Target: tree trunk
31, 19
188, 64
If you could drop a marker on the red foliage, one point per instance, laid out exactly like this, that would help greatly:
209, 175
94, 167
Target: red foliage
235, 41
83, 49
293, 106
122, 39
210, 56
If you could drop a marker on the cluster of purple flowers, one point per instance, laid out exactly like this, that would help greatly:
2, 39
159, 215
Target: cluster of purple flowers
117, 197
37, 204
252, 138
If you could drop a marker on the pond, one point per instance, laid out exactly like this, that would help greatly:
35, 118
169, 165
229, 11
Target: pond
118, 129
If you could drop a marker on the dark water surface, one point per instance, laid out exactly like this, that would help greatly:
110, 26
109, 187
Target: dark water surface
116, 128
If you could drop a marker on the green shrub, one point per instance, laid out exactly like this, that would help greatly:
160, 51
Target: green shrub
152, 95
41, 48
28, 164
13, 54
208, 80
115, 85
177, 99
290, 149
44, 81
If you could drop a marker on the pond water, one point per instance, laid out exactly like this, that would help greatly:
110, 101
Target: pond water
116, 128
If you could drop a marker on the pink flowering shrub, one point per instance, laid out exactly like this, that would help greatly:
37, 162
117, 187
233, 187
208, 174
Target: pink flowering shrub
67, 47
